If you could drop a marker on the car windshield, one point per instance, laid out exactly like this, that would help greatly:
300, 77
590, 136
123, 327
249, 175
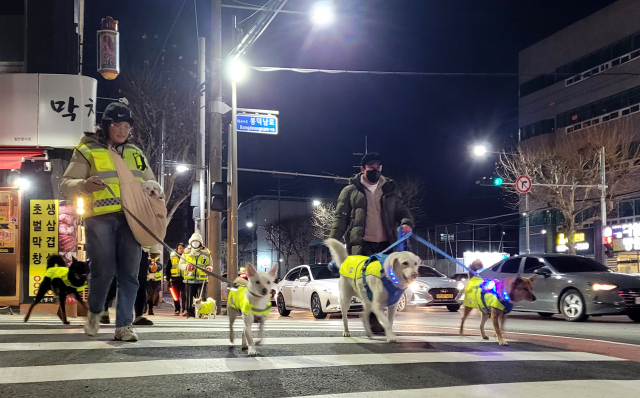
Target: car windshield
571, 264
323, 273
428, 272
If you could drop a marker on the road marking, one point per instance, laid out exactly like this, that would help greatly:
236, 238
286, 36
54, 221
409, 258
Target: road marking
564, 388
154, 329
105, 345
93, 371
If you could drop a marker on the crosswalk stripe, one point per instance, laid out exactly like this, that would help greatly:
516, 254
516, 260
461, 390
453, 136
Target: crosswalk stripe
153, 329
93, 371
105, 345
565, 389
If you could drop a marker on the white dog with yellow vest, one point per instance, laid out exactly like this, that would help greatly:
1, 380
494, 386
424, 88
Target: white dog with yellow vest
378, 285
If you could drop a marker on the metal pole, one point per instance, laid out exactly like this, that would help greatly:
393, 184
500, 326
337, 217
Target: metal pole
214, 236
201, 227
603, 190
161, 171
232, 211
526, 209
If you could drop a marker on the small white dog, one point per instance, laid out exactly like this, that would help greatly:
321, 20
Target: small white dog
207, 308
251, 300
385, 284
153, 189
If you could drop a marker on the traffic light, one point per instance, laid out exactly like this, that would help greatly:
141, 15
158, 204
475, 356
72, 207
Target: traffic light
491, 181
219, 196
608, 246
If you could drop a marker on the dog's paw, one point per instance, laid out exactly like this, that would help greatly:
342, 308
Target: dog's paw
67, 323
503, 342
244, 347
231, 337
392, 339
485, 337
252, 352
344, 334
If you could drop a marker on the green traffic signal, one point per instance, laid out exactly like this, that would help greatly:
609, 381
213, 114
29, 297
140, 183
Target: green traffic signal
497, 181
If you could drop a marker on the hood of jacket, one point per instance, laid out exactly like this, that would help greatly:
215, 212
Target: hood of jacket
94, 138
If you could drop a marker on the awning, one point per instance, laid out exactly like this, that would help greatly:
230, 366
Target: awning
12, 159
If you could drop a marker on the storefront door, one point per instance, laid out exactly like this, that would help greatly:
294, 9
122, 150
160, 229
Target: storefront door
9, 246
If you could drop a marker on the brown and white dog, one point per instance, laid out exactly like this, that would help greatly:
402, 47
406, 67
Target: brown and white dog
403, 265
517, 288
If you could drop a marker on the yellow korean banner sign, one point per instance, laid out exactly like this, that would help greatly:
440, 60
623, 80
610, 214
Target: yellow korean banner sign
43, 239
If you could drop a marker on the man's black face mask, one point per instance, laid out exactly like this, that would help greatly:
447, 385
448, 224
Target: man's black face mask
373, 175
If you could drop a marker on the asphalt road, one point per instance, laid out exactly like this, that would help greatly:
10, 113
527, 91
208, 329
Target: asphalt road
302, 356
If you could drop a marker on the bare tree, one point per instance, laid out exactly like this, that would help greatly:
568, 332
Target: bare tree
322, 219
290, 236
413, 194
568, 165
167, 89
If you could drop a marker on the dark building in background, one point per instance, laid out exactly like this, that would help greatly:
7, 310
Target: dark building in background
574, 89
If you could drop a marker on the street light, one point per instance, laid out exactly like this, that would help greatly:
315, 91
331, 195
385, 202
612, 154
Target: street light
249, 224
322, 13
23, 183
544, 231
316, 203
237, 70
479, 150
181, 168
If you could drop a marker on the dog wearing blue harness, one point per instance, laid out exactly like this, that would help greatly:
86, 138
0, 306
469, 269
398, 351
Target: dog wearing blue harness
378, 281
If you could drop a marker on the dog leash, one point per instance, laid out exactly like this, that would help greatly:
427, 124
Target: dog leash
203, 269
437, 250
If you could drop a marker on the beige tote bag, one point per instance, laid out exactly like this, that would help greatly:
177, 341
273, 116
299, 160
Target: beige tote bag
150, 212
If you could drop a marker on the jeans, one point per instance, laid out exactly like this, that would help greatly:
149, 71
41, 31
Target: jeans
113, 251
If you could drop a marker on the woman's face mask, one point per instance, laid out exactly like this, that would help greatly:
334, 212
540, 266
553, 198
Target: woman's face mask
195, 244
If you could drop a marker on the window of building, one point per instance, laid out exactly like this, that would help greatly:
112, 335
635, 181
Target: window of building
626, 209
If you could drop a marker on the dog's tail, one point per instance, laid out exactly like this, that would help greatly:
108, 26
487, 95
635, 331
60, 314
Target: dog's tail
56, 261
338, 254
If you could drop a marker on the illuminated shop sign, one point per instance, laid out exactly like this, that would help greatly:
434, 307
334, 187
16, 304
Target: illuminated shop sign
625, 236
579, 239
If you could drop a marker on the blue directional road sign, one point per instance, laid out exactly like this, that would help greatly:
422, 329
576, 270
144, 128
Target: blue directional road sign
261, 124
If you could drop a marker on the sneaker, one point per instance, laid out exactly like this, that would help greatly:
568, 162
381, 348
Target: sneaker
104, 318
142, 321
92, 324
125, 333
177, 313
151, 312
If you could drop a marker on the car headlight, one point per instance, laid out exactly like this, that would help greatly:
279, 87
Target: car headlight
416, 286
332, 291
460, 286
603, 286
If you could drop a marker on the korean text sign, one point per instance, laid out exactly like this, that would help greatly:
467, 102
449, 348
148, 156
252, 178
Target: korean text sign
43, 239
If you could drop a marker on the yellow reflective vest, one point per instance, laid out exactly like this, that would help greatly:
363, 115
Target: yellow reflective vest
101, 165
203, 259
62, 273
237, 300
353, 265
175, 261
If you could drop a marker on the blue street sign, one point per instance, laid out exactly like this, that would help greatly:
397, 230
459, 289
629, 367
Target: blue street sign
261, 124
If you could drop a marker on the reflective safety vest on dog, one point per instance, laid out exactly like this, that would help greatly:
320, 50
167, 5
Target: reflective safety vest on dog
207, 307
353, 266
203, 259
62, 273
477, 297
101, 165
238, 301
175, 260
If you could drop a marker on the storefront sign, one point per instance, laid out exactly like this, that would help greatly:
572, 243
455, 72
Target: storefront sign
580, 242
46, 110
626, 237
7, 237
43, 239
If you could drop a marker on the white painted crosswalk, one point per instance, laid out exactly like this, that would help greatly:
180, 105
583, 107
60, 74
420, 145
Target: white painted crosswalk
177, 355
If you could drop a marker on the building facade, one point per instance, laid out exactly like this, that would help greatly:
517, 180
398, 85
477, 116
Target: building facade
584, 75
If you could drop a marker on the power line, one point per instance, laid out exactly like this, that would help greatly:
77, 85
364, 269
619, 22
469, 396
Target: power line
168, 35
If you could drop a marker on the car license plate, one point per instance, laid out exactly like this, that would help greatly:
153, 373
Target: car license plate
637, 300
443, 296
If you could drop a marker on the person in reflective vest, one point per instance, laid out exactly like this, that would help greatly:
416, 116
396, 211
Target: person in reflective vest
154, 279
111, 246
193, 278
174, 276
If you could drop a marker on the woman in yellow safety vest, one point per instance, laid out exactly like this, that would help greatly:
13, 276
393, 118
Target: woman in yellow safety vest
174, 276
154, 279
111, 246
194, 279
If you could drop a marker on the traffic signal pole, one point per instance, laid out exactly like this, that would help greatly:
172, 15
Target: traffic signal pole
215, 146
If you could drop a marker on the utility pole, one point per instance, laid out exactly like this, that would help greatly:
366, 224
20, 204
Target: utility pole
232, 173
215, 145
201, 227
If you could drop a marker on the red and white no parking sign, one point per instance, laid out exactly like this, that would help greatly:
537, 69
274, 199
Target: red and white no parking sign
523, 184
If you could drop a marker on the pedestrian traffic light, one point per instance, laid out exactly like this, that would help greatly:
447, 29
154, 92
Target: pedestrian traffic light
497, 181
218, 196
608, 246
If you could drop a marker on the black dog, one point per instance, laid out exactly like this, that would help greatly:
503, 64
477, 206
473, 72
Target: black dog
62, 281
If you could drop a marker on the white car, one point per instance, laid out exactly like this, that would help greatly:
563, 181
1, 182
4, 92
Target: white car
311, 287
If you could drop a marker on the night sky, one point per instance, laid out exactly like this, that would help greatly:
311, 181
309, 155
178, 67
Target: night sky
422, 126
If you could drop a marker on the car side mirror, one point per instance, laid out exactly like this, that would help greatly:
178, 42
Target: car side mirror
542, 272
304, 279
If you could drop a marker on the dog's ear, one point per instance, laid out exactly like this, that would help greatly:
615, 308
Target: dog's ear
517, 280
250, 270
533, 278
274, 270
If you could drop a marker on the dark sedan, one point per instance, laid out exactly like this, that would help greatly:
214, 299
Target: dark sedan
573, 286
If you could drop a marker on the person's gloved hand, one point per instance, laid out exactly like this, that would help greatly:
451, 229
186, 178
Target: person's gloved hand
93, 184
210, 269
406, 229
190, 267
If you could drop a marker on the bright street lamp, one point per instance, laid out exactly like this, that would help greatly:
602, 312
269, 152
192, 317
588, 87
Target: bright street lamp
479, 150
322, 13
237, 70
23, 183
181, 168
316, 203
249, 224
544, 231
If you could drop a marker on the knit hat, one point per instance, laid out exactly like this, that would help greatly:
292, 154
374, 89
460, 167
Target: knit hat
370, 158
117, 112
196, 237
